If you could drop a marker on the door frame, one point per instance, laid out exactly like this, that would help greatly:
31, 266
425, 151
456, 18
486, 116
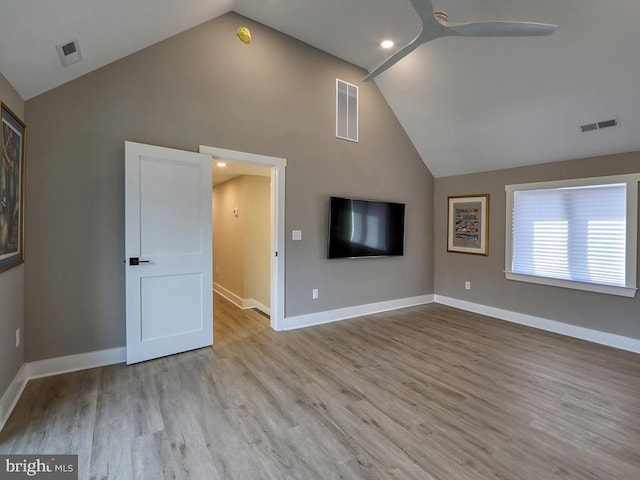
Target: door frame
278, 167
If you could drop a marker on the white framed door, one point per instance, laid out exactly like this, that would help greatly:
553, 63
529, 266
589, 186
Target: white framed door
278, 169
168, 243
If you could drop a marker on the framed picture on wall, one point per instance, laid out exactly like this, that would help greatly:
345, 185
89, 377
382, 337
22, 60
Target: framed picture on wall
468, 224
12, 139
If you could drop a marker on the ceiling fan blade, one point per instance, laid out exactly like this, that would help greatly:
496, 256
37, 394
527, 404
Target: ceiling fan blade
499, 29
435, 24
424, 8
395, 57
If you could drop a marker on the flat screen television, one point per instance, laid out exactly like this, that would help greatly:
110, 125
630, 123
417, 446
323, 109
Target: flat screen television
362, 228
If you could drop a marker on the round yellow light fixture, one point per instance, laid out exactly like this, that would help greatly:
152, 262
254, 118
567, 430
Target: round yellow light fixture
387, 44
244, 34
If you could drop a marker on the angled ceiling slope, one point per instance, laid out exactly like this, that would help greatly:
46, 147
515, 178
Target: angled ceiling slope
467, 104
106, 31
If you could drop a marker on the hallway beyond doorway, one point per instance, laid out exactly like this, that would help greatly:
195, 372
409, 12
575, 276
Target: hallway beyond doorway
232, 323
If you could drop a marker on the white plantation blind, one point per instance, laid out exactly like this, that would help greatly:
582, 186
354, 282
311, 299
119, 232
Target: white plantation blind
571, 233
576, 235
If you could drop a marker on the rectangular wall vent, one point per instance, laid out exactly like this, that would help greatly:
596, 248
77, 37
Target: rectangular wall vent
590, 127
69, 53
346, 111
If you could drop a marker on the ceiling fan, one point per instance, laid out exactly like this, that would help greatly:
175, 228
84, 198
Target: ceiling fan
436, 24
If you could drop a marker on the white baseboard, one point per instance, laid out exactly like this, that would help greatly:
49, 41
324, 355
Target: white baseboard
74, 363
238, 301
595, 336
251, 303
228, 294
12, 395
310, 319
55, 366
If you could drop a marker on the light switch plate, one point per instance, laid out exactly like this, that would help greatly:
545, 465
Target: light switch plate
296, 234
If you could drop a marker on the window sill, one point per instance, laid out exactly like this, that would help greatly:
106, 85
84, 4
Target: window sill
629, 292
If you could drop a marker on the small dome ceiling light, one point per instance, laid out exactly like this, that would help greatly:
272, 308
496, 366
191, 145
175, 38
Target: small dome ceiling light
244, 34
387, 44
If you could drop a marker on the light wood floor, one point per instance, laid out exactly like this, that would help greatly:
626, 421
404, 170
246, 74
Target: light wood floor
232, 323
423, 393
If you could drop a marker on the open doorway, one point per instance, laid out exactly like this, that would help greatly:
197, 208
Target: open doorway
262, 178
241, 250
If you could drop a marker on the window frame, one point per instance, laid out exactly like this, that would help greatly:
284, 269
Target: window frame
631, 241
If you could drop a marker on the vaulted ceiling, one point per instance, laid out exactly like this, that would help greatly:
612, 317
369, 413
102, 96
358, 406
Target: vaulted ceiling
468, 104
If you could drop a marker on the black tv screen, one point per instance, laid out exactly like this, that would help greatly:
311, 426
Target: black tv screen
362, 228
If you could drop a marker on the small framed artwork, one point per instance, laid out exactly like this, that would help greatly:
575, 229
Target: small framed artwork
468, 224
12, 139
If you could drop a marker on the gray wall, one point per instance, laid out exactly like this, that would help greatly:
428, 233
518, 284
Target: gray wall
606, 313
11, 282
274, 97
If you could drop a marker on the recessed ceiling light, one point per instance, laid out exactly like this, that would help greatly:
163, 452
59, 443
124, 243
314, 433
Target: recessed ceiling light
221, 164
387, 44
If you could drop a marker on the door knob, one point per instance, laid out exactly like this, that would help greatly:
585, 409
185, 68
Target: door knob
136, 261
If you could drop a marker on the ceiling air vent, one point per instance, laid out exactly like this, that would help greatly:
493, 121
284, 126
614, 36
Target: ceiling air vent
608, 123
69, 53
590, 127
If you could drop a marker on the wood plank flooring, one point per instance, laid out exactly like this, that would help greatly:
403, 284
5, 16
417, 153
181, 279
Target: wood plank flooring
428, 392
232, 323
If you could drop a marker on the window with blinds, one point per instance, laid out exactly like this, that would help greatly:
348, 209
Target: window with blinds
578, 234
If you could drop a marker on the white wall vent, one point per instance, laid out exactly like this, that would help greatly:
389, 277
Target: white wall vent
590, 127
346, 111
69, 53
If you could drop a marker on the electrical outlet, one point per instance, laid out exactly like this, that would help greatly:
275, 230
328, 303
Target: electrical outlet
17, 338
314, 293
467, 285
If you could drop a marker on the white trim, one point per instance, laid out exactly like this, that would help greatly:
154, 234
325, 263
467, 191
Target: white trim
252, 303
590, 335
55, 366
632, 235
244, 303
74, 363
228, 294
12, 395
278, 183
246, 157
629, 292
318, 318
631, 181
575, 182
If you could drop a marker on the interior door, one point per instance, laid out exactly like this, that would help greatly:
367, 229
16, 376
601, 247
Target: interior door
168, 244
